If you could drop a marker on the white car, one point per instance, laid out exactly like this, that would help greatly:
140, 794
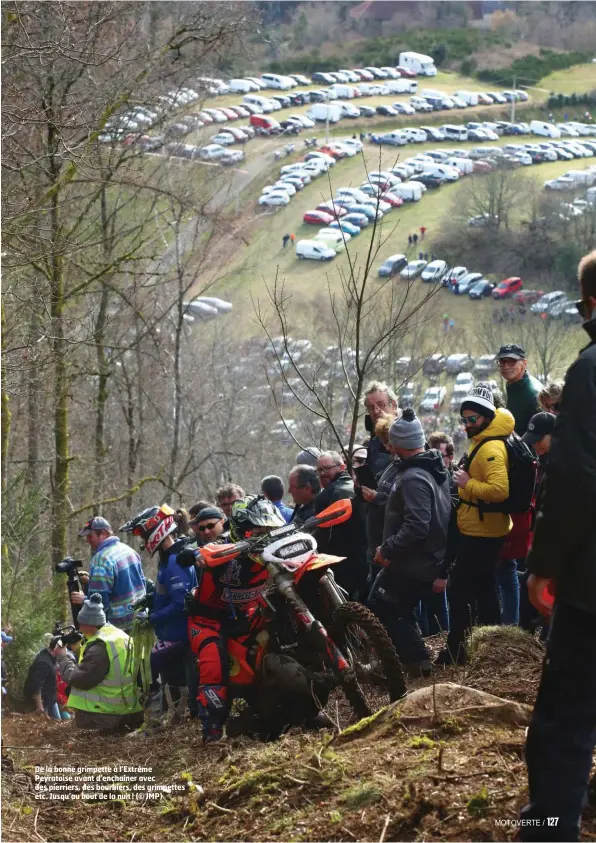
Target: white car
351, 193
463, 383
403, 108
223, 139
412, 270
212, 152
456, 274
284, 187
415, 135
547, 301
434, 271
273, 199
218, 116
354, 143
304, 121
322, 156
433, 398
333, 237
560, 183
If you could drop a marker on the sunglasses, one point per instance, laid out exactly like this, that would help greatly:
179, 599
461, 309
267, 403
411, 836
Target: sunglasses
325, 469
469, 420
204, 527
507, 361
583, 308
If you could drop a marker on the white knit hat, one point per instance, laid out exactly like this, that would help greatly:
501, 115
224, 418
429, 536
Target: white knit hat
479, 398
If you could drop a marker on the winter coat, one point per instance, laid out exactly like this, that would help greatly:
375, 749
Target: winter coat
489, 482
347, 539
375, 516
417, 519
116, 573
522, 401
41, 679
517, 543
564, 546
377, 456
302, 512
173, 582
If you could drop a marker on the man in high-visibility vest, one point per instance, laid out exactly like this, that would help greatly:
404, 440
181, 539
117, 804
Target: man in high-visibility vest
102, 690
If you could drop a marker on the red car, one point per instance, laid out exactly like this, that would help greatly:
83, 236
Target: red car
394, 201
230, 114
331, 207
334, 152
406, 72
318, 218
482, 167
528, 296
507, 288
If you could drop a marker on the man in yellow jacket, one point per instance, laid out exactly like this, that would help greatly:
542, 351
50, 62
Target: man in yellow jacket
482, 479
102, 689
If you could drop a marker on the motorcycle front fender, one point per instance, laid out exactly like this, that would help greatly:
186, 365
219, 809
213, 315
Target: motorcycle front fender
321, 560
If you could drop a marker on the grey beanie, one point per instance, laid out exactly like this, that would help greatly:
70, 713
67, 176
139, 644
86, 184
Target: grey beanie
406, 431
92, 613
309, 456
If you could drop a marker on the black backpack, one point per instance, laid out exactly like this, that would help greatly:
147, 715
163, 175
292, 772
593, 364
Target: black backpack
523, 468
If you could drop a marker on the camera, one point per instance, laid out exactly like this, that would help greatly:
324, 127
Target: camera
68, 566
67, 633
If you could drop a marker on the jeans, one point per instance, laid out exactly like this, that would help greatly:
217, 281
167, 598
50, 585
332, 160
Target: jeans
472, 592
508, 583
395, 610
562, 735
433, 615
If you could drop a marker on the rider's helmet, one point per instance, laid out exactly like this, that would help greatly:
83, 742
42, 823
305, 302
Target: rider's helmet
250, 512
152, 525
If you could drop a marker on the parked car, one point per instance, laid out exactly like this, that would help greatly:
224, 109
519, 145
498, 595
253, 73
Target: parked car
334, 238
454, 275
547, 301
434, 271
347, 227
223, 138
361, 220
317, 218
412, 270
392, 265
485, 365
463, 384
433, 398
274, 199
481, 288
527, 296
392, 199
434, 365
485, 220
463, 286
429, 180
314, 250
507, 288
407, 394
458, 362
331, 208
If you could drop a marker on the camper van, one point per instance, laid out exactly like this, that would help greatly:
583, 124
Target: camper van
458, 133
419, 63
401, 86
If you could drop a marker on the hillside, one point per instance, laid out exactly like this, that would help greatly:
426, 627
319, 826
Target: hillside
451, 769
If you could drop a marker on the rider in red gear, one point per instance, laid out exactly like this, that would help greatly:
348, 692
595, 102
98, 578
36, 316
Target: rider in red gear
220, 606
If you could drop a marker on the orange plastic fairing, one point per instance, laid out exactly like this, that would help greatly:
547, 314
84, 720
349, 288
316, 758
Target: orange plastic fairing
218, 554
337, 513
321, 560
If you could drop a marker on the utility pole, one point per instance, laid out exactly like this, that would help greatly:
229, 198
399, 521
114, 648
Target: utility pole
513, 103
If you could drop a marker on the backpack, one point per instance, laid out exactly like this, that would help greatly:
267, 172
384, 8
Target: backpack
523, 468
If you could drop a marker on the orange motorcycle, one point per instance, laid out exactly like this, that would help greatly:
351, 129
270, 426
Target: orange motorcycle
306, 645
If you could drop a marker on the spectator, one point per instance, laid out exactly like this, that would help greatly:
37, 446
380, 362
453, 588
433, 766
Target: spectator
522, 388
308, 456
445, 322
410, 240
272, 487
562, 735
208, 525
484, 480
115, 572
292, 238
40, 688
549, 397
414, 239
226, 496
422, 231
285, 240
303, 485
375, 516
379, 399
421, 256
102, 688
414, 540
194, 511
443, 443
347, 539
451, 323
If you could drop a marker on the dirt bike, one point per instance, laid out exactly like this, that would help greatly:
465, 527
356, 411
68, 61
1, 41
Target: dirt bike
289, 664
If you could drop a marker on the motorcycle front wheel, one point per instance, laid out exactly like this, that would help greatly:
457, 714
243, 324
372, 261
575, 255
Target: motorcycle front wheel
378, 678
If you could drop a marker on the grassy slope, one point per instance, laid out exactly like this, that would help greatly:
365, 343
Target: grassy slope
578, 79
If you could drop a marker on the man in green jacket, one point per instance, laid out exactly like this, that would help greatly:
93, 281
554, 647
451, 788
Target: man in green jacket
522, 388
102, 690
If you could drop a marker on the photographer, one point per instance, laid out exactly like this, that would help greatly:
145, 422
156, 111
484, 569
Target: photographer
102, 691
115, 572
40, 689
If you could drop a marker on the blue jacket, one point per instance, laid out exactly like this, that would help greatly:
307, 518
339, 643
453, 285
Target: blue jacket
286, 512
173, 582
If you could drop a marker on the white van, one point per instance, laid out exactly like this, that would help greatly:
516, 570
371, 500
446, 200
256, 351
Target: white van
314, 250
458, 133
418, 62
545, 130
443, 171
401, 86
464, 165
409, 191
323, 111
242, 86
333, 238
346, 92
264, 103
469, 97
431, 92
281, 83
581, 178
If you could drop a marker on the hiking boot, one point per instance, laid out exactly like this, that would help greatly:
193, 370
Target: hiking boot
445, 659
417, 670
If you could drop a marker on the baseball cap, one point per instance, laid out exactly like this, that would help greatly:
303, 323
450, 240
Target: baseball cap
516, 352
208, 512
539, 425
95, 523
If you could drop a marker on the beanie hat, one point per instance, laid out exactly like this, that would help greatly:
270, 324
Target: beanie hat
308, 456
208, 513
92, 613
479, 398
406, 432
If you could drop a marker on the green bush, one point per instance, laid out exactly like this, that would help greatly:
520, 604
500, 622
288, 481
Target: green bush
468, 66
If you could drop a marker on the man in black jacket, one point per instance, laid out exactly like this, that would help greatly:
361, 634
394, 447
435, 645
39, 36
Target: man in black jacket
347, 539
414, 541
40, 685
562, 734
303, 485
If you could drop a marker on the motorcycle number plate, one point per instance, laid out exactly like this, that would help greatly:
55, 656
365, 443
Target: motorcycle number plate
283, 531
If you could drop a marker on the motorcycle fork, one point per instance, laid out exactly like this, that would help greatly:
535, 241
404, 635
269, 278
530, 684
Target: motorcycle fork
313, 627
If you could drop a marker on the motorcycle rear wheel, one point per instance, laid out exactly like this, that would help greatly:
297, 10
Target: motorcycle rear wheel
363, 640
